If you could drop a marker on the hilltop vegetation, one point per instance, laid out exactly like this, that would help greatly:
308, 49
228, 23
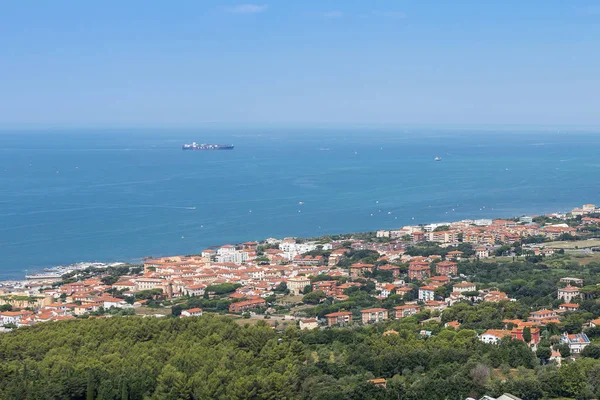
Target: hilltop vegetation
215, 358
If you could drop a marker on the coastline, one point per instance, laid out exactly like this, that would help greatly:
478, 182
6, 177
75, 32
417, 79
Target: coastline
64, 269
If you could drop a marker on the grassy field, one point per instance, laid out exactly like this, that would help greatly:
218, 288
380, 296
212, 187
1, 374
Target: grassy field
588, 258
153, 311
581, 244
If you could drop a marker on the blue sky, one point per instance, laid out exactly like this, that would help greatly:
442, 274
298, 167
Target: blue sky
292, 62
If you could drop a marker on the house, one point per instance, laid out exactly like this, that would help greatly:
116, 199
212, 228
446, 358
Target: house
13, 317
394, 269
359, 269
482, 252
505, 396
373, 315
297, 284
310, 323
86, 308
452, 324
339, 318
440, 280
517, 334
124, 285
381, 382
419, 271
594, 323
495, 296
112, 302
494, 335
426, 293
568, 307
149, 283
433, 305
194, 290
242, 306
328, 287
569, 280
464, 287
446, 268
208, 253
308, 260
576, 342
543, 317
405, 311
387, 290
568, 293
556, 357
192, 312
454, 255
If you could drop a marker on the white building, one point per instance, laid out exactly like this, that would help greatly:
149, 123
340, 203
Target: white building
192, 312
291, 249
494, 336
576, 342
482, 222
296, 285
426, 293
309, 323
235, 256
12, 317
464, 287
568, 293
148, 283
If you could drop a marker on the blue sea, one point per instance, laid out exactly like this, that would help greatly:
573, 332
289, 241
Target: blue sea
119, 195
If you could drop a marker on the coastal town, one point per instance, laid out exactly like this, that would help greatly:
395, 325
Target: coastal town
316, 283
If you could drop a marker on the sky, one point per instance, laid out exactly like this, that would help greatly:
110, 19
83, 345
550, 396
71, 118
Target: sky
299, 63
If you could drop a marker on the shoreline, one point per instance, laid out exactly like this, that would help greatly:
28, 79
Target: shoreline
73, 266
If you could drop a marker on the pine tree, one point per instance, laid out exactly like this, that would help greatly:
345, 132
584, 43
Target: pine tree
91, 387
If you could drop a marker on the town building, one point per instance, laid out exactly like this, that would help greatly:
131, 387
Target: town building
358, 269
373, 315
576, 342
405, 311
426, 293
192, 312
339, 318
464, 287
297, 284
568, 293
419, 271
310, 323
242, 306
446, 268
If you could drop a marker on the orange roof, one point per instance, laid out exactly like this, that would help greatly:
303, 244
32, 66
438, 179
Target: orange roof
497, 332
339, 314
464, 284
453, 324
406, 307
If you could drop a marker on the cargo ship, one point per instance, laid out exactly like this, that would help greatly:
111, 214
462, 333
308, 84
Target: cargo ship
204, 146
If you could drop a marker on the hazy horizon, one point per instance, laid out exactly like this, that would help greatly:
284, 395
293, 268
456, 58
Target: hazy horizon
281, 63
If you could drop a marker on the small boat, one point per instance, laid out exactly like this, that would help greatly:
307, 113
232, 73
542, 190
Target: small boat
437, 159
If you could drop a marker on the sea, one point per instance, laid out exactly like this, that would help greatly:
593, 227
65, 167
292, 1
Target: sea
122, 194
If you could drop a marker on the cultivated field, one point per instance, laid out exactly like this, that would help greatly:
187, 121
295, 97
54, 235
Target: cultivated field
580, 244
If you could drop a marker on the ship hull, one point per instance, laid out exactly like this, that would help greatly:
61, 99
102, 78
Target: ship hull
207, 147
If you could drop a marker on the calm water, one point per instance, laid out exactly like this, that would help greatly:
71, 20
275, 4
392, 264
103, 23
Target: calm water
121, 195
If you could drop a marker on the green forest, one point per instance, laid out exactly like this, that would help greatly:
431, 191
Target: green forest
214, 357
